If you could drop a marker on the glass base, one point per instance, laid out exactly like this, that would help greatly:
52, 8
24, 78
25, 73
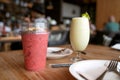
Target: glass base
76, 59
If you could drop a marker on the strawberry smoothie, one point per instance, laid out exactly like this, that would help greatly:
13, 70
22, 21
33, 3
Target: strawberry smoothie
35, 49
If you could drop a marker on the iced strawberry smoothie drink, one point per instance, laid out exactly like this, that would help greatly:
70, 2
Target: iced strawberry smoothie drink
35, 44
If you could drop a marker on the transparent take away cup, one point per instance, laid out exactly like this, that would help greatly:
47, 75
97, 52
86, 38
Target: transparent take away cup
34, 41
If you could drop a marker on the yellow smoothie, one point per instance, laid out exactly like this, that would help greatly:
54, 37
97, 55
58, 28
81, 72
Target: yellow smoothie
79, 33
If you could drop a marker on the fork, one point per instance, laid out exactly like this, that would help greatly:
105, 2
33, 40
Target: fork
111, 67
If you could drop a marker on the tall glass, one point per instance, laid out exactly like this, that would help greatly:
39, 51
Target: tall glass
35, 41
79, 35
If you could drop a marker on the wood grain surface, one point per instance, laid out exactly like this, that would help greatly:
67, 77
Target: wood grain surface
12, 64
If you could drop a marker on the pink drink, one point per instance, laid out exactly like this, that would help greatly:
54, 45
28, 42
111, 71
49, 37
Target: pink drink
35, 49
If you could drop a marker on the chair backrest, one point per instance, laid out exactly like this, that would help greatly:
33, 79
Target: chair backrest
58, 37
98, 38
106, 40
116, 39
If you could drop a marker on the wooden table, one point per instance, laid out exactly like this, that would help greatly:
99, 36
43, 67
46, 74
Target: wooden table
10, 39
6, 41
12, 64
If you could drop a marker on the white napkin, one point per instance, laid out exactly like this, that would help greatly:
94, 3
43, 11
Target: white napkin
111, 76
94, 73
116, 46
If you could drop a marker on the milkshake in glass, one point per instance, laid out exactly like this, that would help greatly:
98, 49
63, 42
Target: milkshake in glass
79, 35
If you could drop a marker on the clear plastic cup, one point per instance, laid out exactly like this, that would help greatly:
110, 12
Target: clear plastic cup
34, 41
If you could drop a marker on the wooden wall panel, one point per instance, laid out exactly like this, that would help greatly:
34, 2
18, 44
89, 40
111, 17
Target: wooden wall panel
104, 9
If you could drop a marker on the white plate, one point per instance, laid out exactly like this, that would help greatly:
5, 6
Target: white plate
116, 46
91, 69
51, 55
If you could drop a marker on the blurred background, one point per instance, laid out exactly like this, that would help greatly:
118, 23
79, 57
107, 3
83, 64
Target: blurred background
59, 14
59, 10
